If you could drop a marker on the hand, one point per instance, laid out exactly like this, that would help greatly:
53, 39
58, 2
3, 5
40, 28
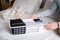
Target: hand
34, 16
17, 13
51, 26
17, 16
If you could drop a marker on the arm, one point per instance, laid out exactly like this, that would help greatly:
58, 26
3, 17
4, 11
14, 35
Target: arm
48, 12
53, 26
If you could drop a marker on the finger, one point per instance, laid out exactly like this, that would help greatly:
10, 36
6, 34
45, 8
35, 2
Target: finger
47, 25
31, 17
50, 22
47, 28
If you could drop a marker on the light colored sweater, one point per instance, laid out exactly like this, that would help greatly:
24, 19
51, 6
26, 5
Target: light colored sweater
28, 7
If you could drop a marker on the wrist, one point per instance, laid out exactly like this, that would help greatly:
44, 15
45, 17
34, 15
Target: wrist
58, 24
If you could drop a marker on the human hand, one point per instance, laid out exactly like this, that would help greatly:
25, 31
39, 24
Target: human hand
17, 14
51, 26
33, 16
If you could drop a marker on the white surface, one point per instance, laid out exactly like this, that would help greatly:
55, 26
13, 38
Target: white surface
50, 35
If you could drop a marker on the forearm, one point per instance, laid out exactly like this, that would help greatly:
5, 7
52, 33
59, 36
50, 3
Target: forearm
48, 12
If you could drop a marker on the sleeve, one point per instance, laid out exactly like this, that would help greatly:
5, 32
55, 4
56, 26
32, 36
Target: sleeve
58, 29
48, 12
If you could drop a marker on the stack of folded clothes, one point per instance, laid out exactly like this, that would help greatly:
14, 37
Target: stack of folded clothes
18, 26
